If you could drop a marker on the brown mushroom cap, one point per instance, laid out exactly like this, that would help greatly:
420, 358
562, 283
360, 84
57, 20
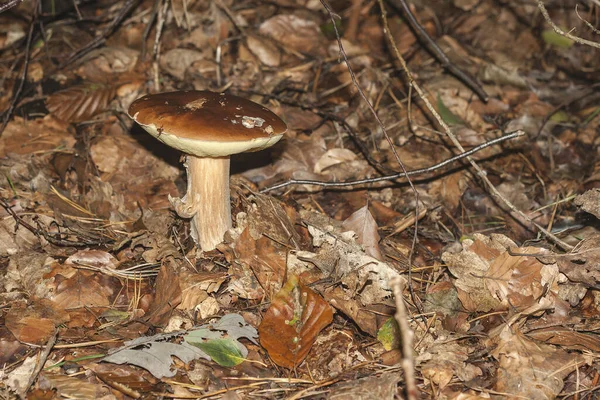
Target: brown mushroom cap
207, 124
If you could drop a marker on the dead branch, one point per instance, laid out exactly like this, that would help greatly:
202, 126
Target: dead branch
13, 103
480, 172
343, 54
556, 29
408, 363
398, 175
436, 51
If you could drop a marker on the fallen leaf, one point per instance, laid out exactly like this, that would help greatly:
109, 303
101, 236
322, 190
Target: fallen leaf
364, 225
291, 324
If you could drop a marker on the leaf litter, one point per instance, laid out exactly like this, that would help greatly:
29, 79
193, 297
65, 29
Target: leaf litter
298, 300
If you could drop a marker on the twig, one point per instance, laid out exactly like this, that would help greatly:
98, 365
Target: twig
15, 98
398, 175
332, 16
148, 28
40, 364
9, 4
556, 29
99, 40
354, 20
162, 12
408, 364
437, 52
593, 29
480, 172
328, 116
40, 232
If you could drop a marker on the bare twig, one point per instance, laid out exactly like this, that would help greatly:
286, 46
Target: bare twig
556, 29
354, 20
593, 29
99, 40
9, 4
40, 364
343, 54
437, 52
398, 175
148, 28
53, 239
17, 94
162, 16
480, 172
408, 364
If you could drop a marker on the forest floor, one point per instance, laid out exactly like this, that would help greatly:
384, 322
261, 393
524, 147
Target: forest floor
476, 278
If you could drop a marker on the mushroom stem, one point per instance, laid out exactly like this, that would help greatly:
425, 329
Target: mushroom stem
207, 200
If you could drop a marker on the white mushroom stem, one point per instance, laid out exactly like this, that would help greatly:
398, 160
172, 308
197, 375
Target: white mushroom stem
207, 200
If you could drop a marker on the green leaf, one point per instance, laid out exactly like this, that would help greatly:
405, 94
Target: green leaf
223, 351
446, 114
389, 334
560, 116
556, 39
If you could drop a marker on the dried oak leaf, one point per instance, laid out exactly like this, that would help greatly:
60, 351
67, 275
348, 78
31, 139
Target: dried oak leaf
489, 278
529, 369
291, 324
583, 266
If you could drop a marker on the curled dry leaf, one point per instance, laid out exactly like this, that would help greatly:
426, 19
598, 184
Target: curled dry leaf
529, 369
365, 227
291, 324
296, 33
583, 266
80, 103
489, 278
267, 53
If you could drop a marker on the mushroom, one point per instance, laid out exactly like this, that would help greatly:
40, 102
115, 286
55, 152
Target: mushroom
208, 127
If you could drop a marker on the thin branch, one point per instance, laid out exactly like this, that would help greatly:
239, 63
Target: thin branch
437, 52
53, 239
40, 364
480, 172
342, 53
17, 94
99, 40
589, 25
9, 4
556, 29
408, 362
398, 175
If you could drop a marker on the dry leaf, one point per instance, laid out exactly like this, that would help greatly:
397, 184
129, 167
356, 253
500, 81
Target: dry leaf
292, 323
82, 102
529, 369
364, 225
295, 33
489, 278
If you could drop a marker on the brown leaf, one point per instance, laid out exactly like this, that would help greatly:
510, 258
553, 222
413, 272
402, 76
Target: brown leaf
365, 227
80, 103
292, 323
567, 338
39, 135
296, 33
36, 322
589, 202
489, 278
168, 294
582, 266
530, 369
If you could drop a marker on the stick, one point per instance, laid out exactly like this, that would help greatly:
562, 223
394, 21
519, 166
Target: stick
400, 174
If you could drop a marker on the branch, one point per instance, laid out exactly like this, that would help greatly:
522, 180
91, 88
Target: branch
576, 39
398, 175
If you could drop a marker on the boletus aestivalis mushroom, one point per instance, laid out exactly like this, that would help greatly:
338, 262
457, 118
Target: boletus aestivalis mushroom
208, 127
